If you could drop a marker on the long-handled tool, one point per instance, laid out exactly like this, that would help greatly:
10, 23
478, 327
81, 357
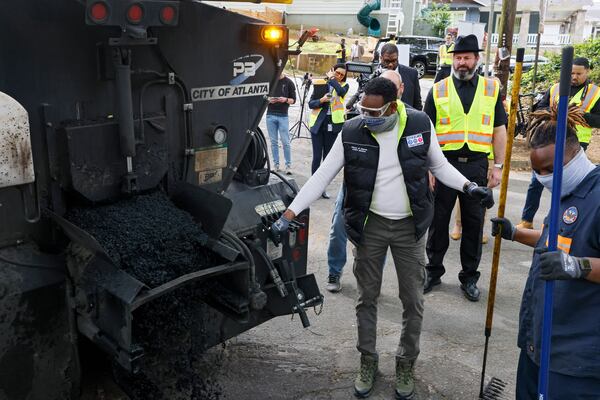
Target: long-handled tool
496, 386
564, 89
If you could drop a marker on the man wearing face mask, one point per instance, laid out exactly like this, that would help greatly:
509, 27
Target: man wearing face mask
586, 95
386, 153
469, 120
336, 251
575, 357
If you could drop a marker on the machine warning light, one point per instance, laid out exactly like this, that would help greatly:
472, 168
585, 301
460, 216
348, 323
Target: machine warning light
273, 34
135, 14
99, 12
167, 15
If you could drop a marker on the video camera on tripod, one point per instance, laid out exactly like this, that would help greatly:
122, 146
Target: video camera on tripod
366, 73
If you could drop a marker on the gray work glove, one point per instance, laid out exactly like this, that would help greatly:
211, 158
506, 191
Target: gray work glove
484, 194
503, 227
278, 228
559, 265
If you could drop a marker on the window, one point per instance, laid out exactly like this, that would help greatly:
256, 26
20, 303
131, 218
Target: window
433, 44
458, 16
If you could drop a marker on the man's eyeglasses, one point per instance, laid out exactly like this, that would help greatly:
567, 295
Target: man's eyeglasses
372, 112
389, 62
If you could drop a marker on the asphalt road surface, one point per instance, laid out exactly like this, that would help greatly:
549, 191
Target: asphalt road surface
281, 360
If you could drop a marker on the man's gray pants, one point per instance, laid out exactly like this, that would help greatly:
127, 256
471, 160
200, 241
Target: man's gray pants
409, 259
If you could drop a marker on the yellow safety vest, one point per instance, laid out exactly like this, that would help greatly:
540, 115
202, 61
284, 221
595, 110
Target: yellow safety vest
454, 128
445, 57
336, 104
584, 134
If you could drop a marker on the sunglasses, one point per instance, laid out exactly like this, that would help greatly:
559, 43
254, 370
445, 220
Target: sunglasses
372, 112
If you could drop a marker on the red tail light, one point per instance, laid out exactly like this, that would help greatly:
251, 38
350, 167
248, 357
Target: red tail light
167, 15
302, 236
296, 254
99, 12
135, 14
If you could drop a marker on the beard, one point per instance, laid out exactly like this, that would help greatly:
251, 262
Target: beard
464, 75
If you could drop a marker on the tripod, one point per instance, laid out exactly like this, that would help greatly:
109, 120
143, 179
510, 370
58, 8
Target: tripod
296, 129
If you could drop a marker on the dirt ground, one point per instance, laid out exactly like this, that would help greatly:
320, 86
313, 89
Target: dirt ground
520, 154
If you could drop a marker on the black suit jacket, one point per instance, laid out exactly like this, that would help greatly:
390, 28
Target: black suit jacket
412, 89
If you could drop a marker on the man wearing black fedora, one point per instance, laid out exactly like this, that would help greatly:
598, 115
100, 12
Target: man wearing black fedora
469, 120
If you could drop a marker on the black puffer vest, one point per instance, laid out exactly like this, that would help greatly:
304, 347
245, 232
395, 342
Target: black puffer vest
361, 155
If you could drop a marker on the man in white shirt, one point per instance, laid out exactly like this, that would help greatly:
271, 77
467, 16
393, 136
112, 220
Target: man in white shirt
386, 154
356, 51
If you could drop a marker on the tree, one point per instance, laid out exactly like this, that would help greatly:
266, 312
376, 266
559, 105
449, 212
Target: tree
437, 16
548, 74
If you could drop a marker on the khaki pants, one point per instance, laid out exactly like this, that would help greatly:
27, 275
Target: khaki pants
409, 259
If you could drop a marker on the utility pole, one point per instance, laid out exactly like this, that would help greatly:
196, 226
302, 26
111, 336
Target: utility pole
507, 25
543, 8
488, 46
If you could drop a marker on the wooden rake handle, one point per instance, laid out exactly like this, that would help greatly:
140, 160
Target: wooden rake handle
512, 118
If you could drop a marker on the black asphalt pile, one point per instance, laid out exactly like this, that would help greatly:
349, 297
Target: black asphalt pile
151, 239
146, 236
172, 364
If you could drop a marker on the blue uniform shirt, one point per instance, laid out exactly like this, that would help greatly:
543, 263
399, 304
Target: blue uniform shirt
575, 346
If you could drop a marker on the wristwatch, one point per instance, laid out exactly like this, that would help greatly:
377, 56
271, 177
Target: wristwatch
499, 166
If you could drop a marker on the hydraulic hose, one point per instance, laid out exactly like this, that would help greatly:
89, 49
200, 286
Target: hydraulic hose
258, 297
272, 270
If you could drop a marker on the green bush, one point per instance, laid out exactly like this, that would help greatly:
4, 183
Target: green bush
549, 74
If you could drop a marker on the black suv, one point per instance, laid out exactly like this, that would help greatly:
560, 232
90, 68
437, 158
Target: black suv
423, 51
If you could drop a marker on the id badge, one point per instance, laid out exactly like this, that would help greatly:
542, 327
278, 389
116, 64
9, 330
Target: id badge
329, 128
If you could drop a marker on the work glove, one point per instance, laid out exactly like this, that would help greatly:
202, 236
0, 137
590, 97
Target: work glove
484, 194
559, 265
504, 228
278, 228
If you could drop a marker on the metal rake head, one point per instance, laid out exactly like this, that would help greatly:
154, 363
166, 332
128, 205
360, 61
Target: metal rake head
494, 390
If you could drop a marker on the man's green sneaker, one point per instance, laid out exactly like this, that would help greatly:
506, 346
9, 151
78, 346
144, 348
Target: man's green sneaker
363, 384
405, 380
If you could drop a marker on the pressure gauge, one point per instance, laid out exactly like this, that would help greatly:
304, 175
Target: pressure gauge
220, 135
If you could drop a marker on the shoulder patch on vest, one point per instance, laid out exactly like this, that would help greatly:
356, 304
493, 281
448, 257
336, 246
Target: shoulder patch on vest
415, 140
570, 215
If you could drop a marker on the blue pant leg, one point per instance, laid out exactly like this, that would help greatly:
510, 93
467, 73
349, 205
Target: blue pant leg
561, 387
336, 252
284, 134
272, 128
532, 201
317, 148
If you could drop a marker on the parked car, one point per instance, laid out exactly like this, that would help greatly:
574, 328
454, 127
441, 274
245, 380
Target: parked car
423, 51
528, 61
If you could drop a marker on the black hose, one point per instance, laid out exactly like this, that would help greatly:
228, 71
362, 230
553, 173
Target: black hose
277, 174
243, 249
279, 284
187, 98
30, 265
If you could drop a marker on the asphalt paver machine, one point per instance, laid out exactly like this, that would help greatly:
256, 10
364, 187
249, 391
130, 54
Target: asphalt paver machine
135, 193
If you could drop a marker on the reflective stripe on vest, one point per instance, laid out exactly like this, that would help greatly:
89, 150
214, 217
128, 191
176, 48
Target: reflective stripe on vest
445, 57
455, 128
336, 105
584, 134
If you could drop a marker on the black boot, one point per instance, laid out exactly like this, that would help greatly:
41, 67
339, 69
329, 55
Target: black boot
470, 290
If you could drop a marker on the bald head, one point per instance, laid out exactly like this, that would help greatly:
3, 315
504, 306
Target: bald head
395, 77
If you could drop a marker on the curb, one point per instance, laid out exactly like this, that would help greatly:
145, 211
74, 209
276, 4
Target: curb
520, 164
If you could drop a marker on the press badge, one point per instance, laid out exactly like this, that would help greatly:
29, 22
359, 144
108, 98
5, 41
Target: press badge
329, 128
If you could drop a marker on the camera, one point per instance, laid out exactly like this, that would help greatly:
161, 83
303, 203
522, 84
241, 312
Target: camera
367, 72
